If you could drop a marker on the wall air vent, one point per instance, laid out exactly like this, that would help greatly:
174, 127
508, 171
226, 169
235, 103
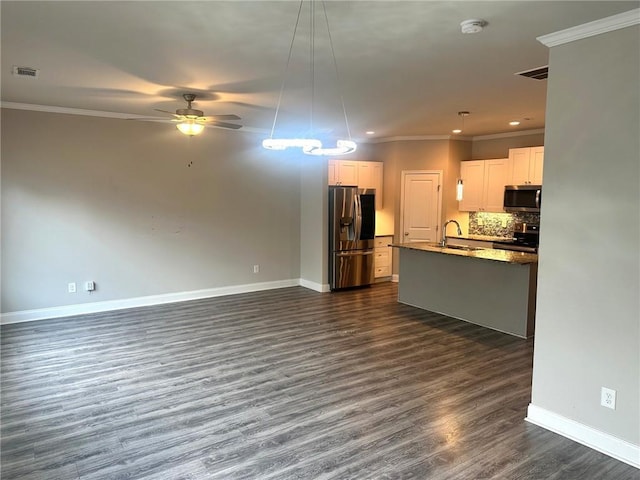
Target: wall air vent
26, 71
540, 73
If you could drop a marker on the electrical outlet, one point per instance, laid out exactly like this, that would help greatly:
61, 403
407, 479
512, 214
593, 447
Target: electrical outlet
480, 222
504, 222
256, 269
90, 286
608, 398
71, 287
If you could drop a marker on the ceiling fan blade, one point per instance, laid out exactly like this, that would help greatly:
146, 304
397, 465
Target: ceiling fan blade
165, 111
224, 125
209, 118
146, 118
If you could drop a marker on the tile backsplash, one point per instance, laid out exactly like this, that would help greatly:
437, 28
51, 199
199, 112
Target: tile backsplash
498, 224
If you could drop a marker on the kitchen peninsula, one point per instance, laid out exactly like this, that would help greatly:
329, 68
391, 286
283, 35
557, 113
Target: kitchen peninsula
488, 287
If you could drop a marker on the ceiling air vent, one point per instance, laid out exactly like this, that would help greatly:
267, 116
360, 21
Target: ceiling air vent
540, 73
26, 72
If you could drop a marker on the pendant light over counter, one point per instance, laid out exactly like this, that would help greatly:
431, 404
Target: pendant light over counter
309, 144
462, 115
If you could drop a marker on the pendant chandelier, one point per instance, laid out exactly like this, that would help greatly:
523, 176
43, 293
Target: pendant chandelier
308, 144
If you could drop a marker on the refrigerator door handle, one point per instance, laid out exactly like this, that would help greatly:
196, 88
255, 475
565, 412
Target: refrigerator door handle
358, 231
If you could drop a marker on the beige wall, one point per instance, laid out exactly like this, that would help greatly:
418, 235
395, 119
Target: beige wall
444, 155
314, 248
399, 156
116, 202
587, 325
458, 151
384, 152
485, 148
87, 198
410, 155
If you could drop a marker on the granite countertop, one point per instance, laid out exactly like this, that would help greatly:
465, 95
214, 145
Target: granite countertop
482, 238
507, 256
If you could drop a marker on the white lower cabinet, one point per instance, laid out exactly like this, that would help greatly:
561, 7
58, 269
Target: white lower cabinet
383, 258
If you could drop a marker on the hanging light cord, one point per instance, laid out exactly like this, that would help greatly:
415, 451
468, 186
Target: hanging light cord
312, 59
311, 146
335, 65
286, 69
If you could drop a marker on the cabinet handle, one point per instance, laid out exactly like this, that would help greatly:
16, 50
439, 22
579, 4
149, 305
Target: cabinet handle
406, 234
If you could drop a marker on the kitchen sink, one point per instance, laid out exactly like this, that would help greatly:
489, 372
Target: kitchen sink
466, 248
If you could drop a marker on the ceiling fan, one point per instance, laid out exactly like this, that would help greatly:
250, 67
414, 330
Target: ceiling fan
191, 121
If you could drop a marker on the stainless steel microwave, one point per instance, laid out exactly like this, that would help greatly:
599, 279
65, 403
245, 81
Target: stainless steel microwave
522, 198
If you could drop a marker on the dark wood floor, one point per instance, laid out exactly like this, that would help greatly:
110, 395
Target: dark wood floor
284, 384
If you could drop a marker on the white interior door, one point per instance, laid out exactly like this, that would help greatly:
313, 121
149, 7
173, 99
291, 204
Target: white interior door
421, 200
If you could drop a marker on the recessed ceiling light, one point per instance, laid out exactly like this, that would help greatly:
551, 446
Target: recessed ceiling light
515, 123
457, 130
369, 132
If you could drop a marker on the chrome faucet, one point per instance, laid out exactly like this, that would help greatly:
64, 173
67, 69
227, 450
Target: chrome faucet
443, 242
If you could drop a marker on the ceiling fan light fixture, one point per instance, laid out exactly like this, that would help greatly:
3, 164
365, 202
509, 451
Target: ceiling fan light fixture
190, 127
191, 121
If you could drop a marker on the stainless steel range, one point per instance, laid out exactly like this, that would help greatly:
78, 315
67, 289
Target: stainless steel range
525, 239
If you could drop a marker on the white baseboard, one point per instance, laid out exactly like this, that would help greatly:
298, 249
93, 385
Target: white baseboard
94, 307
318, 287
602, 442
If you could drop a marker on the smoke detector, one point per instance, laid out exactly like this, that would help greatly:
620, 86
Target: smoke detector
473, 25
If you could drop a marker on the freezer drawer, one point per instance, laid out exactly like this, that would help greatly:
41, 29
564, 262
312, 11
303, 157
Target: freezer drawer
352, 269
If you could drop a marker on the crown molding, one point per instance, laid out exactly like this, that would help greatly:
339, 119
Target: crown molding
131, 116
417, 138
519, 133
69, 111
591, 29
98, 113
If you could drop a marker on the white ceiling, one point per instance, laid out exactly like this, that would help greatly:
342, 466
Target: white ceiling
405, 68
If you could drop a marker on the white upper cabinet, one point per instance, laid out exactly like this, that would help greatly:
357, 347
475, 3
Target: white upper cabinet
365, 175
343, 172
484, 182
526, 165
496, 176
472, 175
536, 163
362, 174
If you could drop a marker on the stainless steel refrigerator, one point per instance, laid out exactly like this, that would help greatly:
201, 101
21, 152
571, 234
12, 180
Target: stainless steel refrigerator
352, 225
